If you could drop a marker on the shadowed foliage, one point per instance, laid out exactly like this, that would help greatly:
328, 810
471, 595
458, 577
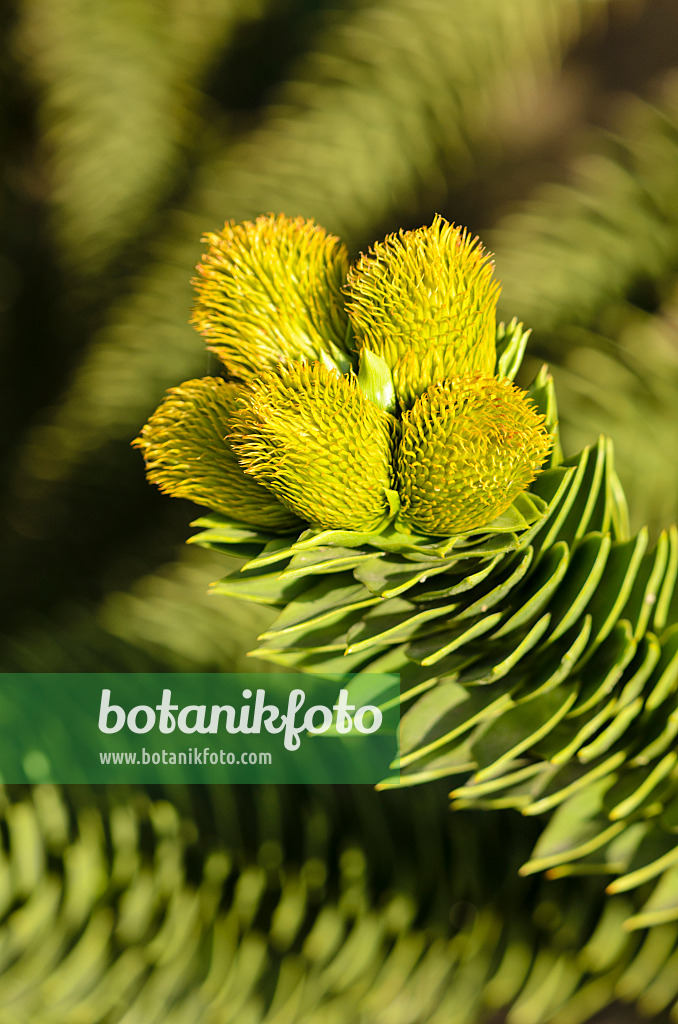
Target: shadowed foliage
550, 128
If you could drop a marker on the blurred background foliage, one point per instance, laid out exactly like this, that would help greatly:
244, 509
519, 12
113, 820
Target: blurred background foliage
129, 128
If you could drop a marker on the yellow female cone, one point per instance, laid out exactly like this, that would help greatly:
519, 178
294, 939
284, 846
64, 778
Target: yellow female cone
425, 301
469, 447
187, 455
269, 291
311, 436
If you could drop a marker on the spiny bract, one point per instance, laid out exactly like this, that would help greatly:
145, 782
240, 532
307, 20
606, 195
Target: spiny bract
425, 301
309, 434
469, 447
187, 455
269, 291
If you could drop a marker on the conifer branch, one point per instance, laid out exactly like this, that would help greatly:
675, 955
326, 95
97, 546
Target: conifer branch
534, 638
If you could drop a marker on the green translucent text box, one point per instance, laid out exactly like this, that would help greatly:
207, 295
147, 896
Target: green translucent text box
49, 729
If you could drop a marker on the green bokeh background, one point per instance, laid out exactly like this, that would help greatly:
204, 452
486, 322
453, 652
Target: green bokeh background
130, 127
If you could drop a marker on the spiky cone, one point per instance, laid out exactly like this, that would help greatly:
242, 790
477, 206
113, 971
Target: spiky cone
309, 434
269, 291
469, 447
187, 455
425, 301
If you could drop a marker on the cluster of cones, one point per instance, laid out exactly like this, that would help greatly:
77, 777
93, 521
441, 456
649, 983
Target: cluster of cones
354, 396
